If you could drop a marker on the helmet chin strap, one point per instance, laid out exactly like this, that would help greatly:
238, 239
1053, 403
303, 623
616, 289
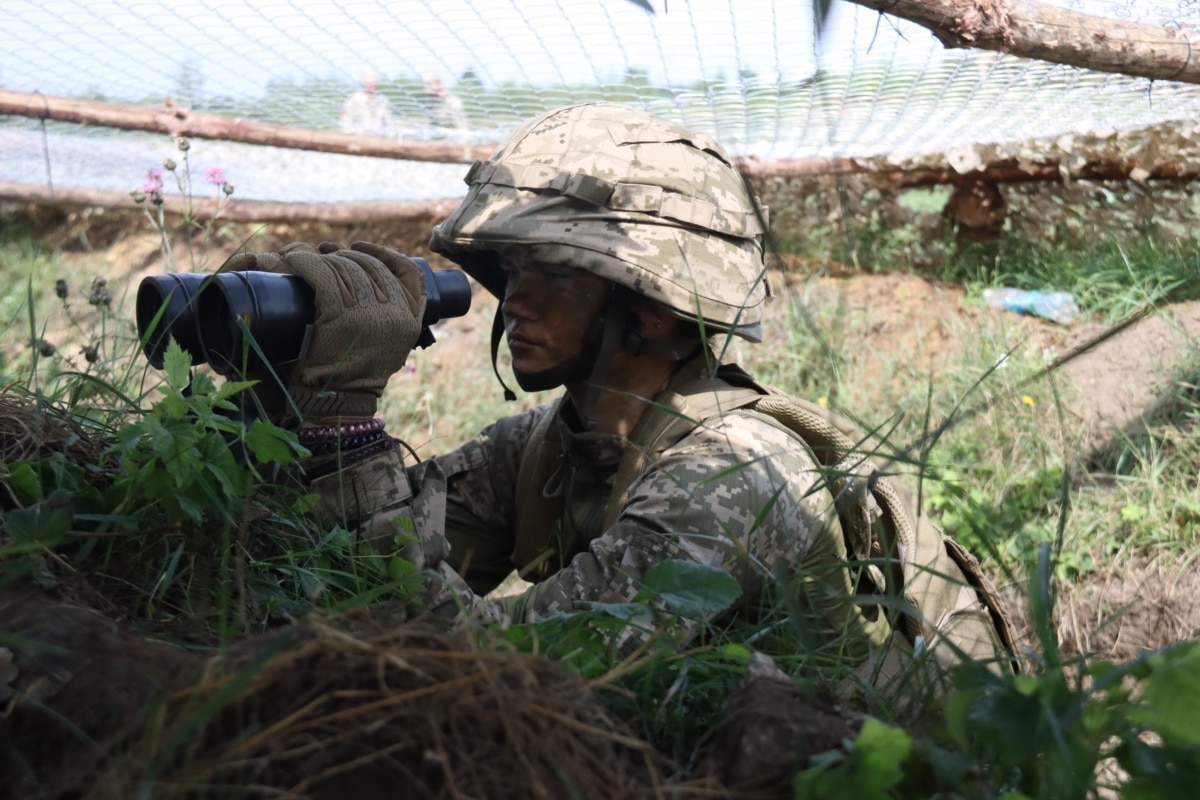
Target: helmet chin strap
613, 328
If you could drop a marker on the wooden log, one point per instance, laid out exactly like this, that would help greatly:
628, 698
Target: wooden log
234, 210
1008, 171
1033, 29
183, 122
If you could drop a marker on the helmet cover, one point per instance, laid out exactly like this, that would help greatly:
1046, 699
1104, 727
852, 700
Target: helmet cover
633, 198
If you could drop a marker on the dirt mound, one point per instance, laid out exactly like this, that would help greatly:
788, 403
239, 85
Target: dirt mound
353, 705
364, 704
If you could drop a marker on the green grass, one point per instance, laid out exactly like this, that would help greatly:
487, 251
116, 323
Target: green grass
1108, 278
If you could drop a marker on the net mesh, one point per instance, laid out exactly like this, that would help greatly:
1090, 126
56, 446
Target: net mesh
754, 73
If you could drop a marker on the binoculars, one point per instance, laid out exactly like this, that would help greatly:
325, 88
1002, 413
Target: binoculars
240, 321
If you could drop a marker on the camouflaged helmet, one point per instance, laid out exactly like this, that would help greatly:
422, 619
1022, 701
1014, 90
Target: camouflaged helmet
635, 199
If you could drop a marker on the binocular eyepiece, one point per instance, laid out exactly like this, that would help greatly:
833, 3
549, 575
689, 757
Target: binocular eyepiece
236, 321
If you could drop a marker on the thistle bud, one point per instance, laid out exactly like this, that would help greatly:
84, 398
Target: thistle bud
183, 144
169, 164
60, 289
100, 295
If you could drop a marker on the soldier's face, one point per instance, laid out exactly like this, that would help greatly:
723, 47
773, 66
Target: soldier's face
547, 309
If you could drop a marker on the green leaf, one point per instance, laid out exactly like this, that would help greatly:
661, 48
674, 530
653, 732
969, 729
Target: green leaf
624, 611
305, 503
190, 508
690, 589
958, 707
879, 754
45, 522
173, 406
203, 385
177, 364
1171, 696
269, 444
871, 770
24, 481
400, 568
737, 653
340, 538
1134, 513
230, 388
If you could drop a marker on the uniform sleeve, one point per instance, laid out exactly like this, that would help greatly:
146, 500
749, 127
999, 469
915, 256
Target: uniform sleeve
741, 494
455, 509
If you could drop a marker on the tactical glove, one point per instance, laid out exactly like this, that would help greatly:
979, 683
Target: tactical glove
369, 304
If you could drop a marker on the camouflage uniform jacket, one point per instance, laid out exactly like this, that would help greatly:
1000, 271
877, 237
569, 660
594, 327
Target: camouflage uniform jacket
737, 491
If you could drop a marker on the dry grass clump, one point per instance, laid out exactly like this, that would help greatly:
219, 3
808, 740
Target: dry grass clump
29, 428
336, 707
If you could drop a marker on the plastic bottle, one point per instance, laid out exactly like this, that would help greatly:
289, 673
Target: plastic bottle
1057, 307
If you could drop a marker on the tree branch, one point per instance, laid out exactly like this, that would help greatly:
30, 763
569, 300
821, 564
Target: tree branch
1038, 30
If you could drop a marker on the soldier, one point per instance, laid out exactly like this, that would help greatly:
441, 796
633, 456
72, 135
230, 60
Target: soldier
624, 249
443, 108
366, 111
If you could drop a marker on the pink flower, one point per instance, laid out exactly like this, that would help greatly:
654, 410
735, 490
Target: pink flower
216, 176
153, 182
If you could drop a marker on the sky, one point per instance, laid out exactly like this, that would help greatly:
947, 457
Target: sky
138, 47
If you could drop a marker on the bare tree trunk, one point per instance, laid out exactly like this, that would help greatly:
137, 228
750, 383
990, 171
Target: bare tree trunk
1038, 30
183, 122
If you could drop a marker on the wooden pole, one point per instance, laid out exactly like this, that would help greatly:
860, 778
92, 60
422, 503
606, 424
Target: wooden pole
234, 210
183, 122
1007, 171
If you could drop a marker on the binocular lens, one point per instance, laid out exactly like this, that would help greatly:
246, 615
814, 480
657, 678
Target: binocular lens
272, 309
175, 297
211, 315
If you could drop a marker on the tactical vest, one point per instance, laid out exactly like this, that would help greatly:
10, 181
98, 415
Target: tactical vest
946, 596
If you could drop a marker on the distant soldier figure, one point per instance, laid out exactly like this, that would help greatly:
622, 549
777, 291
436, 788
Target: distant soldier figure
443, 108
366, 112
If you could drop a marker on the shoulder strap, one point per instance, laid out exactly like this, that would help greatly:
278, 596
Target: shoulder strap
535, 514
883, 524
669, 418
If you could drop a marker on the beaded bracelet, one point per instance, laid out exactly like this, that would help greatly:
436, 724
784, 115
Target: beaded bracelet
330, 465
323, 448
334, 433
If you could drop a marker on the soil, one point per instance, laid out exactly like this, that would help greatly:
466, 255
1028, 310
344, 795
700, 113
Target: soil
1107, 390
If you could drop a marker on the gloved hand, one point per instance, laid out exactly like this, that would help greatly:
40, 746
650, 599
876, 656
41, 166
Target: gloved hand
369, 303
